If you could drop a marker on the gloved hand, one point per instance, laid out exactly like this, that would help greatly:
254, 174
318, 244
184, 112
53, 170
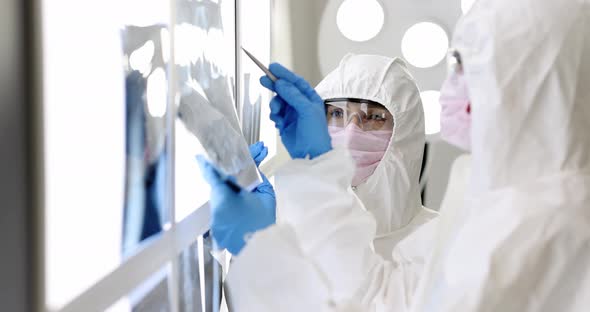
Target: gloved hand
234, 215
299, 114
264, 191
258, 152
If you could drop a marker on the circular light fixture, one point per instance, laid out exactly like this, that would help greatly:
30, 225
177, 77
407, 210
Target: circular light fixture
360, 20
431, 111
466, 5
425, 44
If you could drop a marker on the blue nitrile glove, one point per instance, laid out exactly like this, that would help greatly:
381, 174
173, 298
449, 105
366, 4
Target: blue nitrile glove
234, 215
265, 191
258, 152
299, 114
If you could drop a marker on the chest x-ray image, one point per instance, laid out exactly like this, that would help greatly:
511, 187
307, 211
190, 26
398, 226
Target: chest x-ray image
205, 104
219, 136
206, 68
146, 133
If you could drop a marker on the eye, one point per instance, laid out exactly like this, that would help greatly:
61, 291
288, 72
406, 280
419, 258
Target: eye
377, 117
336, 113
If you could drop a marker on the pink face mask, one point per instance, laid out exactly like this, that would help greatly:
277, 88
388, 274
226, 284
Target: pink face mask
455, 116
366, 147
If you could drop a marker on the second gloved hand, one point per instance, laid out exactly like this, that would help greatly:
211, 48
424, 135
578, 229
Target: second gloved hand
264, 191
237, 214
299, 114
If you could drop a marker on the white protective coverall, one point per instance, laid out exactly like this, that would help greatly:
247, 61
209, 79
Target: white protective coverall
524, 241
392, 192
319, 256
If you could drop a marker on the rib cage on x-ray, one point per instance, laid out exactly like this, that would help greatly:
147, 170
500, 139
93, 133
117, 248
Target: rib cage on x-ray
225, 146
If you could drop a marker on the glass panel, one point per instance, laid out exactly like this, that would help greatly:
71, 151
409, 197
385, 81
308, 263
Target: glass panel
254, 99
145, 55
207, 124
200, 277
83, 158
104, 136
152, 295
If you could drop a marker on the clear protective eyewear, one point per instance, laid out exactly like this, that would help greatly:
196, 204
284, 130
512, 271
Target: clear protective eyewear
366, 114
454, 61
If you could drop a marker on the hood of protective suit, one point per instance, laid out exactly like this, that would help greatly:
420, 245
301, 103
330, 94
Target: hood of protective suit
392, 192
527, 70
521, 243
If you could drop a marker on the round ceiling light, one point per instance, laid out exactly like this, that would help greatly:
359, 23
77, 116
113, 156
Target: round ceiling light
360, 20
431, 111
425, 44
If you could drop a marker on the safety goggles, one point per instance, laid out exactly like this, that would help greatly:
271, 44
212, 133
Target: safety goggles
454, 61
366, 114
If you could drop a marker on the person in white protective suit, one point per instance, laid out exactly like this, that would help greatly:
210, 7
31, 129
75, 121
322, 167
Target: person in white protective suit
373, 108
523, 241
384, 176
386, 144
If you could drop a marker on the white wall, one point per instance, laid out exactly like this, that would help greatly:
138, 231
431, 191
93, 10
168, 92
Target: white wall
295, 29
294, 44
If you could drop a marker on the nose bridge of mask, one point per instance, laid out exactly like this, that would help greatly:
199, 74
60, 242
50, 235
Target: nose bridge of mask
355, 138
350, 133
353, 129
345, 136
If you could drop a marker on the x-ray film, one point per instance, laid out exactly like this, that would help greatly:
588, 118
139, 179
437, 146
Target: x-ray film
224, 143
205, 61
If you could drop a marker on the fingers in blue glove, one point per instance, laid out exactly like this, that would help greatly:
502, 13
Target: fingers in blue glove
256, 148
260, 158
258, 152
292, 96
267, 83
277, 108
283, 73
213, 176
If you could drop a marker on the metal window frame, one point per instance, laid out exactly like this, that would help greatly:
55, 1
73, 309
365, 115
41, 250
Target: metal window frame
156, 253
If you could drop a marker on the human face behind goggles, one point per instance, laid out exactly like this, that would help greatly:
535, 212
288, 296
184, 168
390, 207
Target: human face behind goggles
367, 115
